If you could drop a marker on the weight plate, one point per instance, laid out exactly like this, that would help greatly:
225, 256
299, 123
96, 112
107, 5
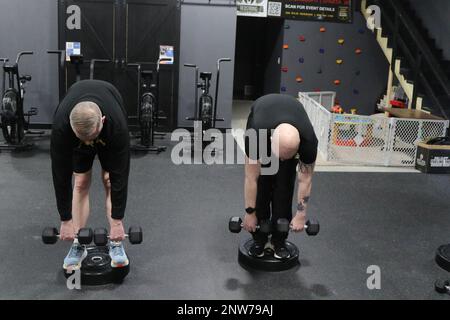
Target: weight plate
443, 257
267, 263
96, 268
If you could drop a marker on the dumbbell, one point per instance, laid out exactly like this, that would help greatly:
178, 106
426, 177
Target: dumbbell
134, 236
51, 236
235, 226
442, 286
312, 227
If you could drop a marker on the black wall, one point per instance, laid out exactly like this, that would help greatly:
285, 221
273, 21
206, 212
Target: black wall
435, 15
273, 49
124, 32
258, 52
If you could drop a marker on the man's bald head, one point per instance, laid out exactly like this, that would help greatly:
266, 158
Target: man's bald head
86, 120
285, 141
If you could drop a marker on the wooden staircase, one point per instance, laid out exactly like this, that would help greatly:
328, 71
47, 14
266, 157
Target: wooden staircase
414, 57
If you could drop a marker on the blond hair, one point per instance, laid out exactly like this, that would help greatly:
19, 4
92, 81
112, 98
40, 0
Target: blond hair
85, 119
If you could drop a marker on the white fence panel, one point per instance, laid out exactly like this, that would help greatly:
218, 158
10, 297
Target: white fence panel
366, 140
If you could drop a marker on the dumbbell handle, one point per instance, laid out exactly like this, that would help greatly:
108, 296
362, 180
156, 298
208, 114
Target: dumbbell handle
59, 236
290, 227
306, 226
257, 227
126, 236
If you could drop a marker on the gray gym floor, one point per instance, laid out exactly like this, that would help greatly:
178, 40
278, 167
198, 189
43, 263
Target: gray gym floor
394, 221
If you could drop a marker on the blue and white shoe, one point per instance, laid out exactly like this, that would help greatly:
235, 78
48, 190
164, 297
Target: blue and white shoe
75, 257
118, 256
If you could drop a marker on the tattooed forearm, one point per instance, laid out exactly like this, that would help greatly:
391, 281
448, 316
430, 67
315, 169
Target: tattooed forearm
305, 176
307, 168
302, 205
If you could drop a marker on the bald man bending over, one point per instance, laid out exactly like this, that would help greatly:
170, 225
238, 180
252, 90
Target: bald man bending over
292, 140
91, 120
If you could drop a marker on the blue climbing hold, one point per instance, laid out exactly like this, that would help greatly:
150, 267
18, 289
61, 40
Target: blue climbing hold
322, 51
283, 89
301, 60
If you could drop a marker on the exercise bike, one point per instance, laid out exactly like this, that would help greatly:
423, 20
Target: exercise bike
206, 108
148, 113
12, 115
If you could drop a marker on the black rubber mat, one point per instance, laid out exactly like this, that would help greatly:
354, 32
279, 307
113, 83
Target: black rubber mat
393, 221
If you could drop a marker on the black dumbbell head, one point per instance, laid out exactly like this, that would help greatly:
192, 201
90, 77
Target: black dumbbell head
235, 225
135, 235
100, 237
265, 226
283, 225
442, 286
50, 235
313, 227
85, 236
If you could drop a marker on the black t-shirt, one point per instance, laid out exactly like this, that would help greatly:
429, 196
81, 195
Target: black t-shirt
114, 148
270, 111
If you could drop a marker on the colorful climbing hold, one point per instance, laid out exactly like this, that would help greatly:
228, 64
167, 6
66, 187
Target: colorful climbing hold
358, 51
302, 38
362, 31
341, 41
284, 69
283, 89
339, 61
323, 29
299, 79
286, 46
322, 51
317, 90
337, 82
301, 60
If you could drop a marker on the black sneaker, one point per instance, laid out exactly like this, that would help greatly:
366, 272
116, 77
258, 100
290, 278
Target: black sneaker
281, 252
257, 250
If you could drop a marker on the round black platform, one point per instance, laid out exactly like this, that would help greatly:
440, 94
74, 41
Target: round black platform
443, 257
268, 262
96, 268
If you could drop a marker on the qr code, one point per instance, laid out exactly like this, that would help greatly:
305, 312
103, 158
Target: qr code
274, 9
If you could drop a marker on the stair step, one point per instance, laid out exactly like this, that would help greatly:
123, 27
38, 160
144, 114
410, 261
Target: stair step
406, 72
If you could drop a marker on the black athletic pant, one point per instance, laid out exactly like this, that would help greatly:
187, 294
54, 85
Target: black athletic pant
274, 199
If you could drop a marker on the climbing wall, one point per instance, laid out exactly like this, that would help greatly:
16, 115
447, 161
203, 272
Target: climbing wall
334, 57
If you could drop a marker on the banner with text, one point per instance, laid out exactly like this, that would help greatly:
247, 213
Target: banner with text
319, 10
252, 8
